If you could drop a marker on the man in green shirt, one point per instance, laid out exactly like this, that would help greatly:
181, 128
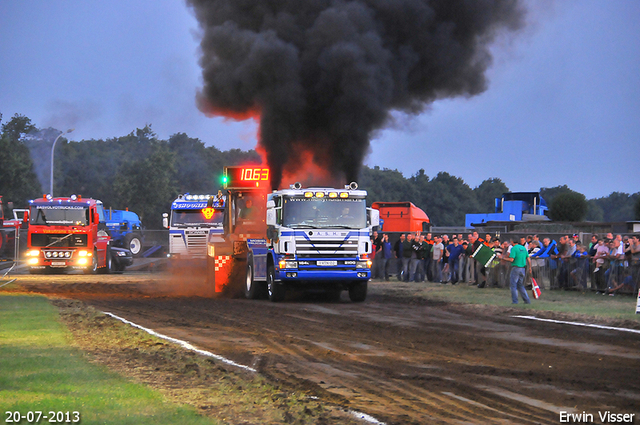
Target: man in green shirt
519, 257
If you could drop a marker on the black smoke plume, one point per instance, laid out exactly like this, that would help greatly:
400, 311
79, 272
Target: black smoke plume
323, 75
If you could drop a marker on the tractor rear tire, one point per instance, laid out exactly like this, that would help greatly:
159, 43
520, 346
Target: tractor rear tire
133, 242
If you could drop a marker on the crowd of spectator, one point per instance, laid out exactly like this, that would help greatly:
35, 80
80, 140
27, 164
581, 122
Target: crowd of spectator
606, 264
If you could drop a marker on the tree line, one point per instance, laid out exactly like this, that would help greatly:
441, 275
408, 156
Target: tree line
145, 174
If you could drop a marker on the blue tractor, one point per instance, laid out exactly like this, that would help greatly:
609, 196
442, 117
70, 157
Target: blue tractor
126, 230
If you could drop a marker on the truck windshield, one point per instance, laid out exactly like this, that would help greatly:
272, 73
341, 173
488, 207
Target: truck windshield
324, 213
195, 218
59, 215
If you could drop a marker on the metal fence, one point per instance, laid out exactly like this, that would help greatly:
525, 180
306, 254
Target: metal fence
12, 244
615, 276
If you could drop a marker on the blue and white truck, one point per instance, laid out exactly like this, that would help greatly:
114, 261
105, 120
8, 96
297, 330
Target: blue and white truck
304, 238
191, 224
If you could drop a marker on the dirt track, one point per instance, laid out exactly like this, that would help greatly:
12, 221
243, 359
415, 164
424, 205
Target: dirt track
400, 359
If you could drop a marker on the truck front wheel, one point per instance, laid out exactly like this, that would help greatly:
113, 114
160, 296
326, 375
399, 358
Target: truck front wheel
94, 264
252, 288
276, 290
358, 291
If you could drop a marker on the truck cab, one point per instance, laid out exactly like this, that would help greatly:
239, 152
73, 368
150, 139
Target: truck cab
305, 238
70, 233
190, 226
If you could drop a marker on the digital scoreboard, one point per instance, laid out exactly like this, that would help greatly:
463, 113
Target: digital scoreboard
246, 177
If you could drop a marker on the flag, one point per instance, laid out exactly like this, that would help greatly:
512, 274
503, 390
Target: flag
535, 289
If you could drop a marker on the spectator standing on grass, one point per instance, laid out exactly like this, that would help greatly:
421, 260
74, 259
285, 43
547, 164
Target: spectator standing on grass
415, 259
446, 271
578, 274
481, 270
471, 266
565, 262
616, 276
423, 248
602, 251
534, 247
616, 260
407, 255
455, 251
521, 263
397, 250
375, 248
387, 256
627, 250
555, 262
496, 277
427, 257
436, 259
463, 260
634, 248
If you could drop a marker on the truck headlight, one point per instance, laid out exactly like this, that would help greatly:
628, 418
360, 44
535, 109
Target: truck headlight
363, 264
284, 264
84, 253
32, 261
33, 253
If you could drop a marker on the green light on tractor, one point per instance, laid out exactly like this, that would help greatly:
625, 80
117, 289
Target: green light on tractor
225, 179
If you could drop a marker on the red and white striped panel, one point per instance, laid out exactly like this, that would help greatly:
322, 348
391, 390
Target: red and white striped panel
220, 261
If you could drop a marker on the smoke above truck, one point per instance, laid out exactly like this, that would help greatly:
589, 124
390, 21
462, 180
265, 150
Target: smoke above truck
322, 76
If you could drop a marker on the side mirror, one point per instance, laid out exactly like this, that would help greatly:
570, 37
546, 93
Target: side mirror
25, 220
374, 217
165, 220
271, 217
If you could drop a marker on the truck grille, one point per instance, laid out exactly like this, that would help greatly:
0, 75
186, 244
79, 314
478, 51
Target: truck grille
326, 248
196, 245
58, 240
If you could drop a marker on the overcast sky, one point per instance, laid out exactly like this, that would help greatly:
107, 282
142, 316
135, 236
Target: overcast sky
562, 107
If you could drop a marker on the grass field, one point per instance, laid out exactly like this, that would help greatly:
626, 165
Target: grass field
41, 372
573, 303
64, 356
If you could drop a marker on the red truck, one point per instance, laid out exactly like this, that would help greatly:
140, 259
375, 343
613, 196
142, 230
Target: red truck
401, 217
70, 233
